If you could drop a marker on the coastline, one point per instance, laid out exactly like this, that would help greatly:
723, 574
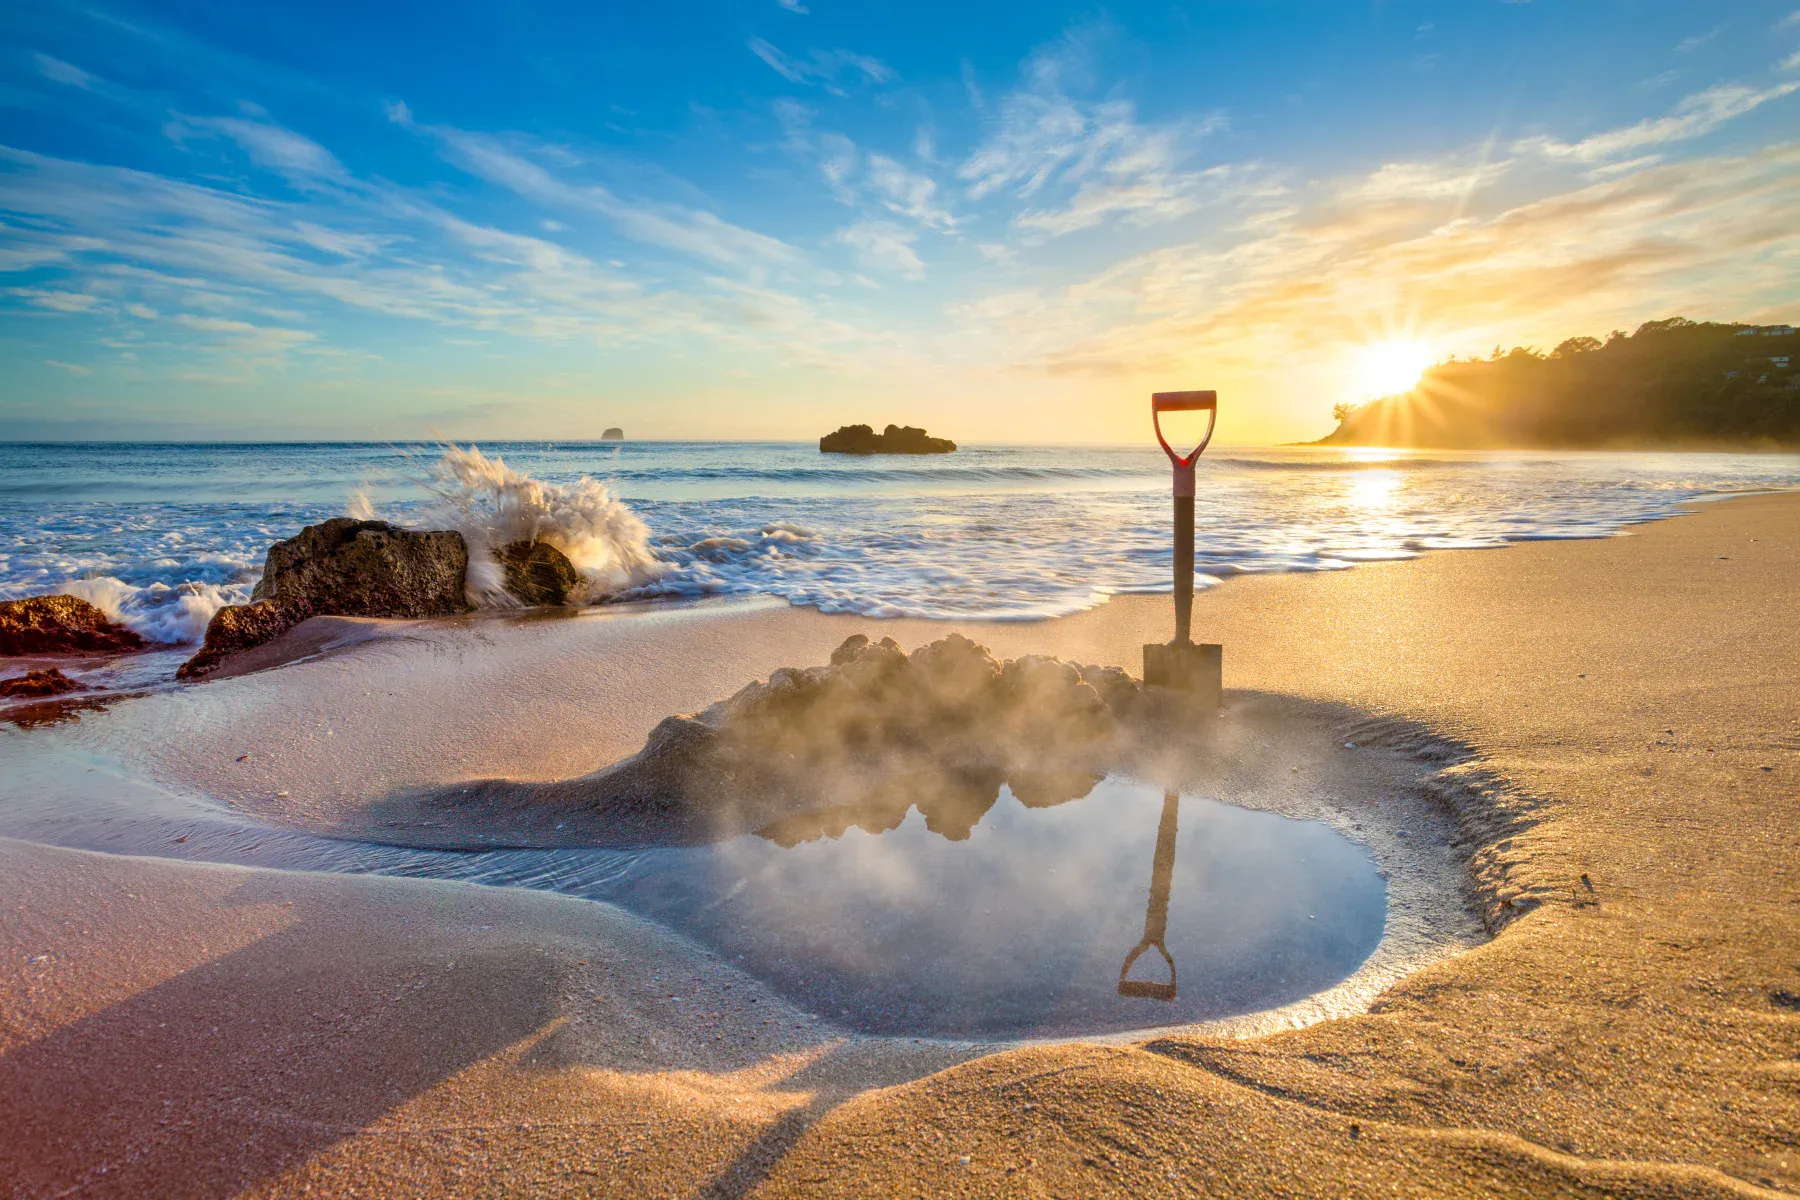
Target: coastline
1558, 666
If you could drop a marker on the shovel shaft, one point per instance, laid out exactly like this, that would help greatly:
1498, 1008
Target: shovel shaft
1184, 564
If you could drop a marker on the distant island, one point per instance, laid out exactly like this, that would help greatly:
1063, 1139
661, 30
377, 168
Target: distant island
1672, 383
613, 434
895, 439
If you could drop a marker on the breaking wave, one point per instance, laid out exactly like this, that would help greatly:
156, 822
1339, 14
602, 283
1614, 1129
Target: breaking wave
492, 505
158, 612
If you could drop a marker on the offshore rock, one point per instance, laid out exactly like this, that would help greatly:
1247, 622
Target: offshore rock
61, 625
537, 573
343, 567
35, 684
895, 439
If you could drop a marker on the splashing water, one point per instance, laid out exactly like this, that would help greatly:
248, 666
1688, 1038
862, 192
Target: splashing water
158, 612
492, 506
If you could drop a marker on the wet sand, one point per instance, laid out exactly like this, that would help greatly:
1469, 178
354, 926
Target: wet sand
1628, 709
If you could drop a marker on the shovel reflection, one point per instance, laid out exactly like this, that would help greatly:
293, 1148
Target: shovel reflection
1156, 915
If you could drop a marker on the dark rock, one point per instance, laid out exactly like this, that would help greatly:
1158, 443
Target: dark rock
34, 684
613, 434
354, 568
538, 573
895, 439
343, 567
239, 627
61, 625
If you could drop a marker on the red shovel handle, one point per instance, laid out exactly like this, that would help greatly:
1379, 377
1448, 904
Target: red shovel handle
1162, 402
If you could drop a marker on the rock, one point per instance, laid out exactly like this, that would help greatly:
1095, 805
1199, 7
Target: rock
343, 567
239, 627
61, 625
538, 573
613, 434
354, 568
34, 684
895, 439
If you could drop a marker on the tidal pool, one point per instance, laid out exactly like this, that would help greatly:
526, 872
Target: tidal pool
1001, 918
1021, 927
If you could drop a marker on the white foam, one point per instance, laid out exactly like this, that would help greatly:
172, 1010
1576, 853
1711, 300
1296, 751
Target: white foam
158, 612
493, 505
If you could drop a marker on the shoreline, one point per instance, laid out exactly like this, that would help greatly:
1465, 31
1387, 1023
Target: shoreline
1558, 667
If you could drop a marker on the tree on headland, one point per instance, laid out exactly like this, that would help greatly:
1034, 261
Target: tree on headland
1673, 382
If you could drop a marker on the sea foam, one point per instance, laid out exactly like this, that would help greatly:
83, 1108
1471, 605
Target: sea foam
493, 505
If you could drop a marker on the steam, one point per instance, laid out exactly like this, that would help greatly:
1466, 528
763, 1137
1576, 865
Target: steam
812, 751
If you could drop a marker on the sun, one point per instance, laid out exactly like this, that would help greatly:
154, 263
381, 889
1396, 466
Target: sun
1386, 368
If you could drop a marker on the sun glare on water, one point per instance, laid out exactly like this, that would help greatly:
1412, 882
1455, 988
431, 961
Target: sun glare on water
1386, 368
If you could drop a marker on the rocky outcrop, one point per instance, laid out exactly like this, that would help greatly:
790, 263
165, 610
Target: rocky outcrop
538, 573
343, 567
358, 568
895, 439
61, 625
36, 684
613, 434
239, 627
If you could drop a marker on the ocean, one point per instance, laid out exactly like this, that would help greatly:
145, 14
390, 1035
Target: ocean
161, 535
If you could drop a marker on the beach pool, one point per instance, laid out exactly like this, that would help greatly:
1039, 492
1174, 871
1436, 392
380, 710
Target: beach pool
1011, 918
1020, 925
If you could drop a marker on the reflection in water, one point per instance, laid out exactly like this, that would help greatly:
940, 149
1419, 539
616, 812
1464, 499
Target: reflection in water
1000, 918
952, 802
38, 713
1156, 913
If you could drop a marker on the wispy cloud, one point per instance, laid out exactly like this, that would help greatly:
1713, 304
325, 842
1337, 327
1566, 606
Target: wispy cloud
826, 68
884, 246
692, 231
58, 301
1698, 40
71, 368
299, 158
794, 6
1076, 164
1696, 116
58, 71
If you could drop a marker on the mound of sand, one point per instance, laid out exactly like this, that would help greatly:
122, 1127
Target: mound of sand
942, 727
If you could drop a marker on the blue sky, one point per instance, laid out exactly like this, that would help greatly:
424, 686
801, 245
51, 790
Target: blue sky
764, 219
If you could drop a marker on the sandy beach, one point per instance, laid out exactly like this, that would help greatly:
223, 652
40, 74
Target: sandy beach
1612, 726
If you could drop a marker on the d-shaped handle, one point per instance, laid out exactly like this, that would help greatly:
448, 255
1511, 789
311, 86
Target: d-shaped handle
1162, 402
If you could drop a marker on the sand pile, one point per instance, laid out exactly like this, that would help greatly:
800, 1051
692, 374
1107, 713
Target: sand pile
857, 741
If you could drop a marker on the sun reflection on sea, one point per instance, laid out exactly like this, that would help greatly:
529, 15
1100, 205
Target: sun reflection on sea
1374, 489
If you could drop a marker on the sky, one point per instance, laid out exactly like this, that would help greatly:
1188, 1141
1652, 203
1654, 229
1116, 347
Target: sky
1002, 221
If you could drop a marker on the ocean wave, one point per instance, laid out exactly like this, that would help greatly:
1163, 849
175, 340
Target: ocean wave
158, 612
990, 533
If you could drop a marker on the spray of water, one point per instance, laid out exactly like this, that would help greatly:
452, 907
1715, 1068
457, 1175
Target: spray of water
158, 612
492, 505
